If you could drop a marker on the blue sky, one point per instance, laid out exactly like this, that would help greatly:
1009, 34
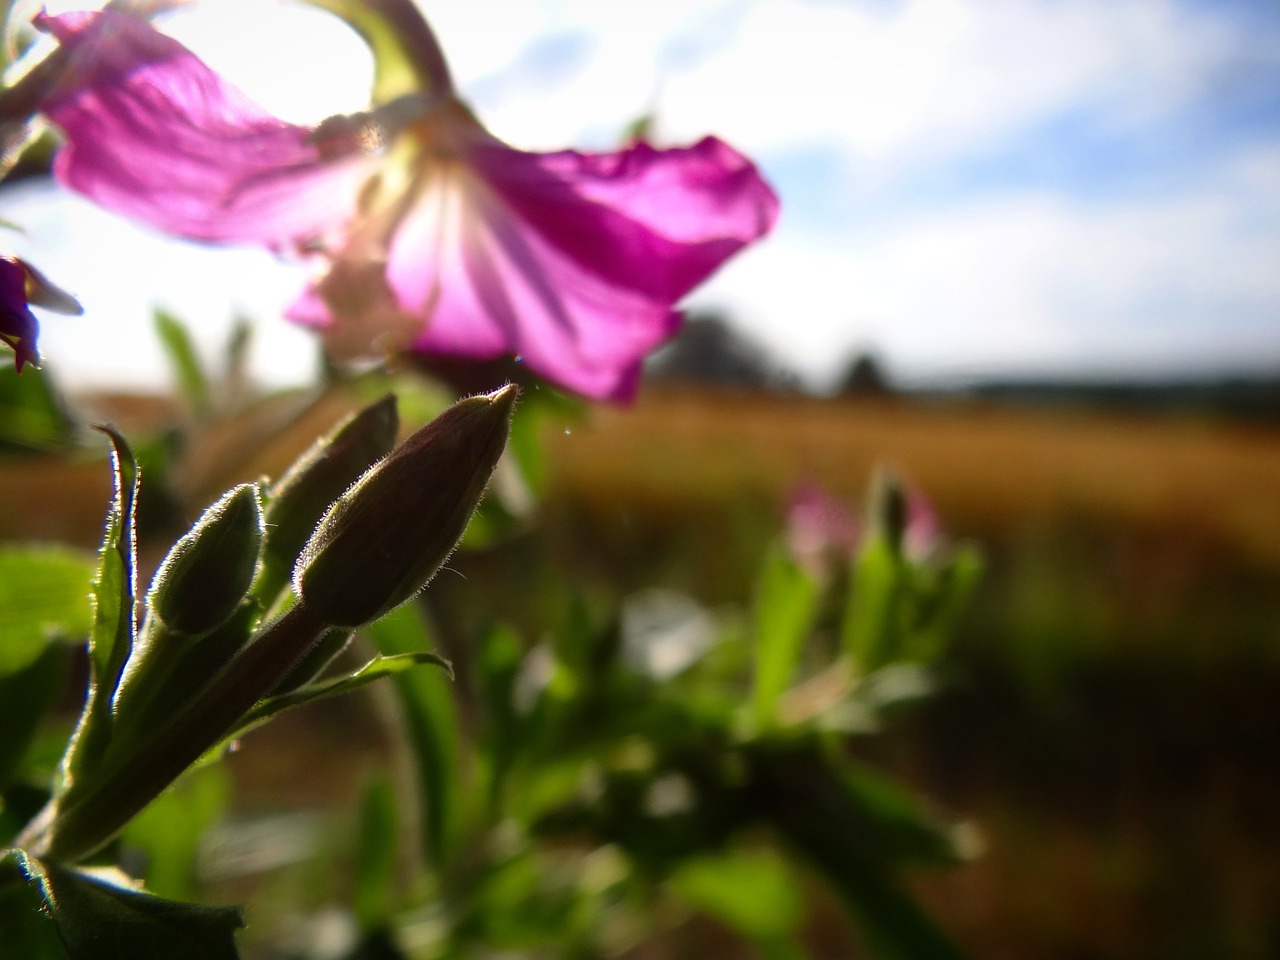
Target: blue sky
970, 187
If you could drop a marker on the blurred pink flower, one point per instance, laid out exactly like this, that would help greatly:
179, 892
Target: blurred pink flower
434, 235
21, 285
822, 530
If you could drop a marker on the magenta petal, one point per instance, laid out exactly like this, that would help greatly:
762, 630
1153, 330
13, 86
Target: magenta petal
657, 221
573, 262
18, 326
154, 134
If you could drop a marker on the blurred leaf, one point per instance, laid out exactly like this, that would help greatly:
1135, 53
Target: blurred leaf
431, 723
100, 921
822, 816
754, 892
941, 601
375, 669
871, 629
169, 830
43, 597
25, 695
192, 381
32, 417
27, 931
376, 857
786, 602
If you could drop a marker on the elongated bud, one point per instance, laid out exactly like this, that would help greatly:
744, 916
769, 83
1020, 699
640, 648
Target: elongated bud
208, 572
299, 499
386, 537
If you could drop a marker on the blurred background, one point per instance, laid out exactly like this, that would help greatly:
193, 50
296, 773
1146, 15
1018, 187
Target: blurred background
1028, 256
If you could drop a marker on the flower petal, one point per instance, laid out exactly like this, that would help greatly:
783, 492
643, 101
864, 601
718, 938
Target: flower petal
18, 326
154, 134
572, 261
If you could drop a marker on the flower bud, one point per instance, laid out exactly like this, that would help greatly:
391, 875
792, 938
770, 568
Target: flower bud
386, 537
208, 572
299, 499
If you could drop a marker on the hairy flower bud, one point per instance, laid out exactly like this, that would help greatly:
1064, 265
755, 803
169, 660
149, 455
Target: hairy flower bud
299, 499
208, 572
386, 537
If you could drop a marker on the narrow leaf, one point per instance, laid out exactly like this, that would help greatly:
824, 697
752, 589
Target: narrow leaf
187, 370
112, 599
375, 669
431, 721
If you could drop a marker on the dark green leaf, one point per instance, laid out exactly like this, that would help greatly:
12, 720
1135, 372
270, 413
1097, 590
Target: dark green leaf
100, 921
24, 698
44, 596
26, 931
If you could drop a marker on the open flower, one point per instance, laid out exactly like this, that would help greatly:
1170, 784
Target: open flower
20, 285
432, 234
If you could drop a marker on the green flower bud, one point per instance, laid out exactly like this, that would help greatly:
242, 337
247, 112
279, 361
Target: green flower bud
208, 572
386, 537
299, 499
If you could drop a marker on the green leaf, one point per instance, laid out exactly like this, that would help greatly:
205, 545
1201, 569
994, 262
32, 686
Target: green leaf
112, 598
185, 361
822, 816
32, 417
375, 669
27, 931
872, 628
25, 696
786, 603
376, 857
431, 721
100, 921
754, 892
44, 596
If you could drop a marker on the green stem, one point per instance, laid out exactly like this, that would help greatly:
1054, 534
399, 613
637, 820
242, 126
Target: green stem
81, 821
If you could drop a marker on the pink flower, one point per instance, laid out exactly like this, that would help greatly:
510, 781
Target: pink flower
20, 285
434, 235
822, 530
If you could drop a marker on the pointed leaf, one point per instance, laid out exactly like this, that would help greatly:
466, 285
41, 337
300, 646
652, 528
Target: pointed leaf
100, 921
185, 360
375, 669
112, 598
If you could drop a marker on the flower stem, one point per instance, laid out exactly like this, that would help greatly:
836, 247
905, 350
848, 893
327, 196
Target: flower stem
82, 820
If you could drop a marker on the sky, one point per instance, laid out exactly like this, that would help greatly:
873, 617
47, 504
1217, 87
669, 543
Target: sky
969, 188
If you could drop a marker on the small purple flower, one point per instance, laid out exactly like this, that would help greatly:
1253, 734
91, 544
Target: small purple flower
21, 285
433, 234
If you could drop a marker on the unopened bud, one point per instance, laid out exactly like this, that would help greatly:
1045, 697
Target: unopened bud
208, 572
386, 537
301, 496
